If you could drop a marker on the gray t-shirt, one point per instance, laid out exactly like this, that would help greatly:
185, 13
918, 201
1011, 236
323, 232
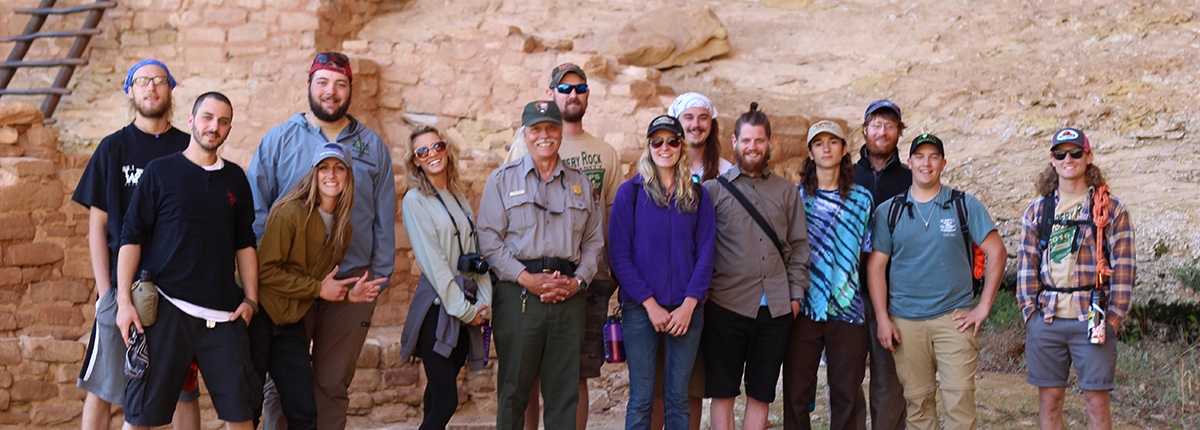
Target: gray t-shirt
930, 272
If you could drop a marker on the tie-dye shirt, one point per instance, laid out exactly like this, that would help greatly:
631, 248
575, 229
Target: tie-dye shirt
839, 231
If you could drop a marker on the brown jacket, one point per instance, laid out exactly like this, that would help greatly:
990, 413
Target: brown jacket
293, 258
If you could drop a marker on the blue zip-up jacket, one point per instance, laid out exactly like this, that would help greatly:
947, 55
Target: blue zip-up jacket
285, 155
661, 252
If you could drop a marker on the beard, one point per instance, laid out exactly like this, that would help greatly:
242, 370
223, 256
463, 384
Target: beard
314, 104
751, 166
199, 136
878, 151
573, 111
146, 110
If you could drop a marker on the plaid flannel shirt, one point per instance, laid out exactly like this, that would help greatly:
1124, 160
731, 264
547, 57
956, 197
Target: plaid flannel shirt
1033, 268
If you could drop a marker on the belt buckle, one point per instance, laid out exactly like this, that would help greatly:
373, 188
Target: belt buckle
547, 265
210, 324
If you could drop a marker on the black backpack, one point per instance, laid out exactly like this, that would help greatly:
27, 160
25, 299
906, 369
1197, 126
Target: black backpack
975, 256
1046, 225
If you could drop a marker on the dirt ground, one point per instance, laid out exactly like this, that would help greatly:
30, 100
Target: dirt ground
1005, 401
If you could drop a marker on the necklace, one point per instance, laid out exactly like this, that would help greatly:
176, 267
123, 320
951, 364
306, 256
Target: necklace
931, 211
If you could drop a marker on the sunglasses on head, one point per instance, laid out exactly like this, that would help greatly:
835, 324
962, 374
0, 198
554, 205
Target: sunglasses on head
1061, 154
427, 151
336, 58
673, 141
566, 88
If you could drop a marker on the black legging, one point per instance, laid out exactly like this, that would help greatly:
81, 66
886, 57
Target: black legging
441, 373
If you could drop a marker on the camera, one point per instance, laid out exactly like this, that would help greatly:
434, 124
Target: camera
472, 263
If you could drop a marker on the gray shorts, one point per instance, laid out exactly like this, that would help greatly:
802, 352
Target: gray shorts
1051, 349
103, 372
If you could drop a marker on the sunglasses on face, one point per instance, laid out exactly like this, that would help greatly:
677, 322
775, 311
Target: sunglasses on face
428, 151
657, 142
566, 88
146, 80
335, 59
1061, 154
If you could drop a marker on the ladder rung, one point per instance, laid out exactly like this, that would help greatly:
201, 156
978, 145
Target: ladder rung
51, 63
33, 92
66, 10
84, 32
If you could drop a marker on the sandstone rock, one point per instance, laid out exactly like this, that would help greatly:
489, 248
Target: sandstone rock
369, 357
24, 391
6, 379
50, 415
10, 275
669, 37
10, 353
403, 376
392, 413
19, 113
60, 290
410, 396
51, 350
23, 167
4, 399
14, 418
365, 380
27, 196
15, 227
33, 254
59, 315
360, 400
8, 135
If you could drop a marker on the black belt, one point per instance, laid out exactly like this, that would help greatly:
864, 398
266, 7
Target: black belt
550, 265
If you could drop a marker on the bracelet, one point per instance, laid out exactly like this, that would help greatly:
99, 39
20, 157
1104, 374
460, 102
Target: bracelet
253, 304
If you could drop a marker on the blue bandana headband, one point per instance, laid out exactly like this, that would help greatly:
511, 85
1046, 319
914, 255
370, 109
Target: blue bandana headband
144, 63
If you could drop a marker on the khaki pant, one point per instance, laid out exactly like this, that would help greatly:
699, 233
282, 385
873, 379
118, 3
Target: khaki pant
934, 357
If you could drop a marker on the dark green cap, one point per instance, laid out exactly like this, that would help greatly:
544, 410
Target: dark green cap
540, 111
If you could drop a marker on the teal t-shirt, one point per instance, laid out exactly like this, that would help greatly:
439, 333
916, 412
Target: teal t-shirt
930, 274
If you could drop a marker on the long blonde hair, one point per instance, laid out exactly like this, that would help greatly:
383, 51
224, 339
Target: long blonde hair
307, 193
685, 195
415, 175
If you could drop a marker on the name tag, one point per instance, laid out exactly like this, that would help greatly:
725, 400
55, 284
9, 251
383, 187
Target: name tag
516, 193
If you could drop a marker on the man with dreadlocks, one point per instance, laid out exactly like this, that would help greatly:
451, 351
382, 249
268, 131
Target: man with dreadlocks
1075, 275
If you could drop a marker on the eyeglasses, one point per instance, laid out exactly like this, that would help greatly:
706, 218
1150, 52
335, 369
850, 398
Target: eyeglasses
338, 59
657, 142
146, 80
428, 151
1061, 154
882, 126
566, 88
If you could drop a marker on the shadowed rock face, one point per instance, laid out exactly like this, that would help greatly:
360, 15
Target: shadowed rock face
669, 37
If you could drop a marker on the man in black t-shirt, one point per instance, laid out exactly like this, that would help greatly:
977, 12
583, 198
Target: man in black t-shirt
105, 189
880, 171
190, 224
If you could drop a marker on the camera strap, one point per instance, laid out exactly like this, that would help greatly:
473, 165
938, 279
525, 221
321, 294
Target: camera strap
454, 222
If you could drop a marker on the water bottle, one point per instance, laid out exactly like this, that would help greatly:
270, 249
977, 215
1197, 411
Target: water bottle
487, 341
1095, 319
614, 341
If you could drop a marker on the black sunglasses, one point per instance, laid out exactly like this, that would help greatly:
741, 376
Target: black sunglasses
1061, 154
338, 59
566, 88
657, 142
426, 151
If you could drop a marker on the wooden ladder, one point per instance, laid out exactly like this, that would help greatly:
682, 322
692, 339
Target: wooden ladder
16, 58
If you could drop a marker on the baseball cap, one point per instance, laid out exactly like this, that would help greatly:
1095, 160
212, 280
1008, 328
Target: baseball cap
825, 126
557, 74
687, 101
881, 104
332, 150
144, 63
334, 61
540, 111
1071, 135
665, 122
927, 139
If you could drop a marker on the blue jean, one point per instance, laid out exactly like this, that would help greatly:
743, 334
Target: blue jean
641, 350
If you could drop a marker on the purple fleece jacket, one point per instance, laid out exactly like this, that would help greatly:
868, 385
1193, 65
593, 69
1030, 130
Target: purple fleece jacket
660, 252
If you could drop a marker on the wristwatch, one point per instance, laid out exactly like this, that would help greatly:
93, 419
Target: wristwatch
582, 284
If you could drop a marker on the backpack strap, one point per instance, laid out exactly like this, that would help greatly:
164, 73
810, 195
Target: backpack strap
1046, 222
899, 202
762, 223
959, 200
